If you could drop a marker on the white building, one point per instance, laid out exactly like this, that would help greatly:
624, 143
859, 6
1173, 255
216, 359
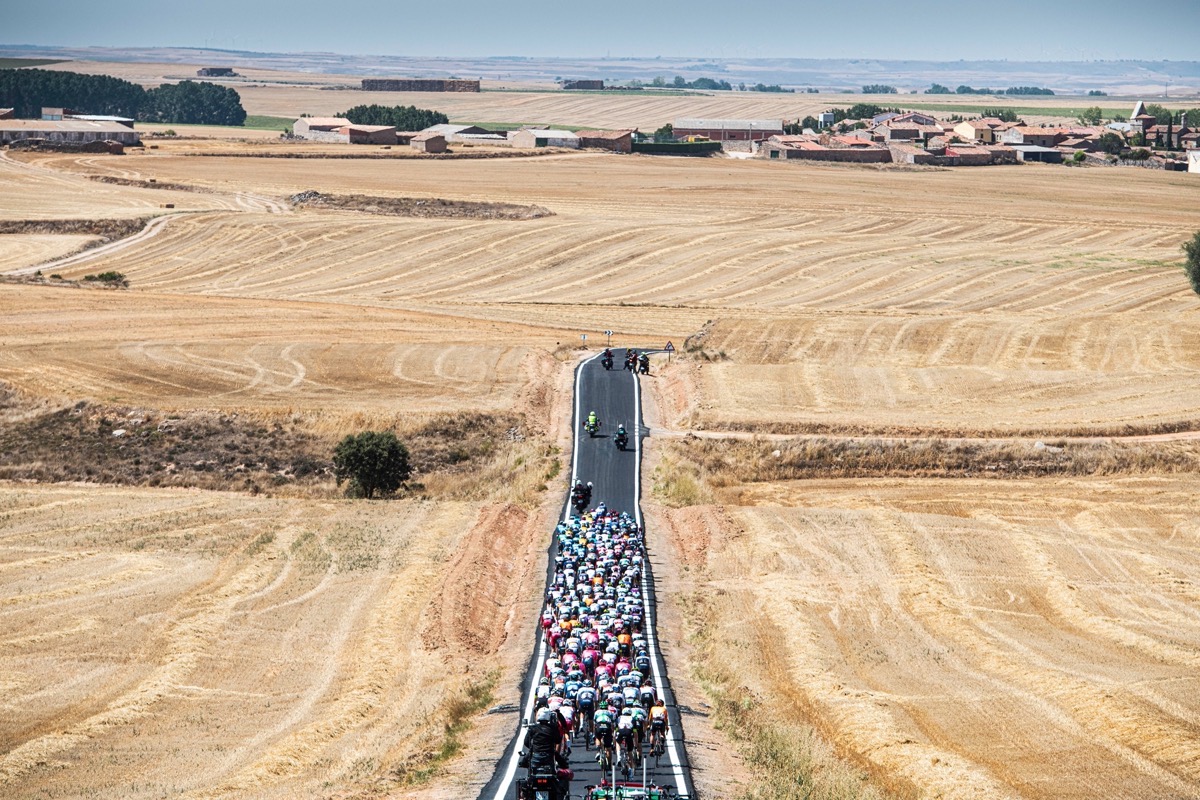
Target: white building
1194, 161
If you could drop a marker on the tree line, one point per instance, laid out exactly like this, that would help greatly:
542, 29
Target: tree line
938, 88
403, 118
27, 91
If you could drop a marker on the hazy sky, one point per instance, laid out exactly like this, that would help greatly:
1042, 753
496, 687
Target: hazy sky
935, 29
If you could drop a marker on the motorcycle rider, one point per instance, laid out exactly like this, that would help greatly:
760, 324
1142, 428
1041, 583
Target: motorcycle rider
542, 740
644, 364
621, 436
593, 422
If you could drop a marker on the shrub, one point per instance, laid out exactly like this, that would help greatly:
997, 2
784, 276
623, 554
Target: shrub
110, 278
1079, 156
1192, 265
373, 461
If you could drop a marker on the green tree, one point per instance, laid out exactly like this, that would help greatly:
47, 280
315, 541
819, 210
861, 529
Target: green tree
810, 122
1192, 265
937, 88
665, 134
193, 103
1162, 115
403, 118
1192, 118
1092, 116
373, 462
878, 88
679, 82
1002, 114
1111, 143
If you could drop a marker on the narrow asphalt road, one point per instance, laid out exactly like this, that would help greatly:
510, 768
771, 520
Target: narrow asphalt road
615, 397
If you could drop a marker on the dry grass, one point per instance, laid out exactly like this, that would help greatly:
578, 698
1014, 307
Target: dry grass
722, 463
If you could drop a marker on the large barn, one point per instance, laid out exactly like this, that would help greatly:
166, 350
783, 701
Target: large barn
73, 131
729, 130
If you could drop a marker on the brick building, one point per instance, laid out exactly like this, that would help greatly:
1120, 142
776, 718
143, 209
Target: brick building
615, 141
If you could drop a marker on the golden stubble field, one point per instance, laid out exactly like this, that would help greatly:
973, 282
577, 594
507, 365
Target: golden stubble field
961, 638
851, 300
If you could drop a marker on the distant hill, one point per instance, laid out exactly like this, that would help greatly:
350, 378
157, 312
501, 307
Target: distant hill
1181, 79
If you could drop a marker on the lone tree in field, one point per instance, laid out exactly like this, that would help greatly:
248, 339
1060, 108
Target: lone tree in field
1192, 265
373, 461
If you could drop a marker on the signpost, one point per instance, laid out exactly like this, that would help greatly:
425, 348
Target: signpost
609, 335
670, 348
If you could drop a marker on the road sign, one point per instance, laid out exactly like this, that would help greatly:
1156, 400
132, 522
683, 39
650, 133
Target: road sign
583, 336
608, 333
670, 348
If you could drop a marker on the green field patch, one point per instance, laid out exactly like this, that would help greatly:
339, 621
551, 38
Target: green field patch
21, 63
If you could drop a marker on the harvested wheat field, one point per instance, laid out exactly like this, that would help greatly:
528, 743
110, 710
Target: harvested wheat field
1056, 310
203, 644
966, 639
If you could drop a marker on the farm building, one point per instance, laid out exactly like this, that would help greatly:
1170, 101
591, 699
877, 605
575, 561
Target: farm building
814, 149
320, 129
980, 130
905, 130
729, 130
904, 153
1024, 134
126, 121
427, 142
6, 113
1035, 152
418, 85
454, 133
616, 141
216, 72
74, 131
578, 85
1194, 161
533, 137
368, 134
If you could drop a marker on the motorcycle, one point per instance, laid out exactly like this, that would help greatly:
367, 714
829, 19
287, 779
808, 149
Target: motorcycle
644, 365
538, 785
621, 440
592, 428
607, 363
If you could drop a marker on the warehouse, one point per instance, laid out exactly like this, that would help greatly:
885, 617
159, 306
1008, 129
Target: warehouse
320, 129
369, 134
74, 131
530, 137
729, 130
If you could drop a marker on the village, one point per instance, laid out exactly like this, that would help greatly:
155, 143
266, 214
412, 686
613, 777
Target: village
888, 137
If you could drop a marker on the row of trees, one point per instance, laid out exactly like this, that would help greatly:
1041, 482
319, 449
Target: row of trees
404, 118
878, 88
938, 88
27, 91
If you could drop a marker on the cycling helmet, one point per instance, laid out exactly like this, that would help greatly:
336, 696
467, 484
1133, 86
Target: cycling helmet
545, 715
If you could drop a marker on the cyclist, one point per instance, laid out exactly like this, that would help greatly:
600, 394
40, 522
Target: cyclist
602, 729
659, 725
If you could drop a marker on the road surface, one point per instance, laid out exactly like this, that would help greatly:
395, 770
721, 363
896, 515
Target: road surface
615, 397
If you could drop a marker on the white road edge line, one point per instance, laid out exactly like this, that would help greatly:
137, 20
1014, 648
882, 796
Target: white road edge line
510, 771
651, 640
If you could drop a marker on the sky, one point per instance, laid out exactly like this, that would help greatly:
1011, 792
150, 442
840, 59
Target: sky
940, 30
